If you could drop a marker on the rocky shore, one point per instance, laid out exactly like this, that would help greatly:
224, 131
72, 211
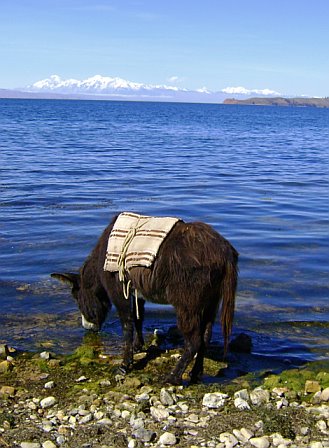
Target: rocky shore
81, 401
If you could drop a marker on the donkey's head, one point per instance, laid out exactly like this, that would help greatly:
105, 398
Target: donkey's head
92, 299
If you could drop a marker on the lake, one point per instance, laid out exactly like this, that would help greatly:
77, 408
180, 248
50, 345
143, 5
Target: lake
258, 175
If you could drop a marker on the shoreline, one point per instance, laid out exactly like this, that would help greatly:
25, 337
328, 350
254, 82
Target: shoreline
81, 400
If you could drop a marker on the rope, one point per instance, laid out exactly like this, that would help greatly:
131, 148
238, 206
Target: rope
122, 264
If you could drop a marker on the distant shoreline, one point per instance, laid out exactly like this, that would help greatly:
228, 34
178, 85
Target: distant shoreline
279, 101
255, 101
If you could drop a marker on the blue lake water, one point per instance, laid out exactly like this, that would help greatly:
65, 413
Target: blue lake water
259, 175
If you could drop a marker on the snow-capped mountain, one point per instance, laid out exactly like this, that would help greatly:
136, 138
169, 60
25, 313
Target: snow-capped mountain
118, 88
97, 85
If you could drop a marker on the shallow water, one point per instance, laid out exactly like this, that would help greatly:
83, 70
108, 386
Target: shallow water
259, 175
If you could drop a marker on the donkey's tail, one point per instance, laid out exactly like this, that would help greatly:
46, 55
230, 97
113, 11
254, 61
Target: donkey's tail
228, 289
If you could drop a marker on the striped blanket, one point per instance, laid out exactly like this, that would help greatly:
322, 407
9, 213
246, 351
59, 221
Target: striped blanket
135, 241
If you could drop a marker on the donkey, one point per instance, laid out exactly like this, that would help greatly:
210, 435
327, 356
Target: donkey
195, 270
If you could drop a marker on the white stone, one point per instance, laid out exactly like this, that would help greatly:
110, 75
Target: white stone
259, 442
50, 385
229, 439
142, 397
321, 425
259, 396
86, 419
237, 433
214, 400
158, 413
282, 403
48, 444
325, 394
48, 402
167, 438
45, 355
81, 379
105, 421
166, 398
243, 393
125, 414
316, 445
241, 404
247, 433
30, 445
278, 440
98, 415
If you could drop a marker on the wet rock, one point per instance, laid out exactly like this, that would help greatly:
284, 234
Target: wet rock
167, 438
241, 344
48, 402
214, 400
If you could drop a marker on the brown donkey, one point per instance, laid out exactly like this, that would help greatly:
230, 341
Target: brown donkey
196, 269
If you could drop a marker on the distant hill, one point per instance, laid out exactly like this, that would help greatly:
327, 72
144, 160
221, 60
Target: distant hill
279, 101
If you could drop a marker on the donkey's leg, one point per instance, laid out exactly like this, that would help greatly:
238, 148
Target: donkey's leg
190, 327
197, 370
127, 323
208, 318
138, 321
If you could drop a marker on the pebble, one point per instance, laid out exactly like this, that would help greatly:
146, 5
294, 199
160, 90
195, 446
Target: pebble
144, 435
48, 444
159, 414
149, 418
243, 394
166, 398
259, 442
228, 439
50, 385
325, 394
241, 404
214, 400
7, 390
259, 396
168, 438
48, 402
30, 445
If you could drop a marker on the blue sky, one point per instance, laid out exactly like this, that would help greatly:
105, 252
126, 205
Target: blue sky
276, 44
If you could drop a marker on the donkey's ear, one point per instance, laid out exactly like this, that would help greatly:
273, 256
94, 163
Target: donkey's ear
68, 278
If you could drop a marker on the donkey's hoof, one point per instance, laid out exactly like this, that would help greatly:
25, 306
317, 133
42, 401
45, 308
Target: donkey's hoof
172, 379
121, 370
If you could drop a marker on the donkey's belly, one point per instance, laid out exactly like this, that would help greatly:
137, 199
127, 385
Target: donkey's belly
154, 298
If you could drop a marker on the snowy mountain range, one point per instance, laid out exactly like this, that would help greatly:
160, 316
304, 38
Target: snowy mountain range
104, 87
113, 88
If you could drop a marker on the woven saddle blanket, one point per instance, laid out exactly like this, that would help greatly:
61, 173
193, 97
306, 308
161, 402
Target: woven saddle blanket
135, 240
